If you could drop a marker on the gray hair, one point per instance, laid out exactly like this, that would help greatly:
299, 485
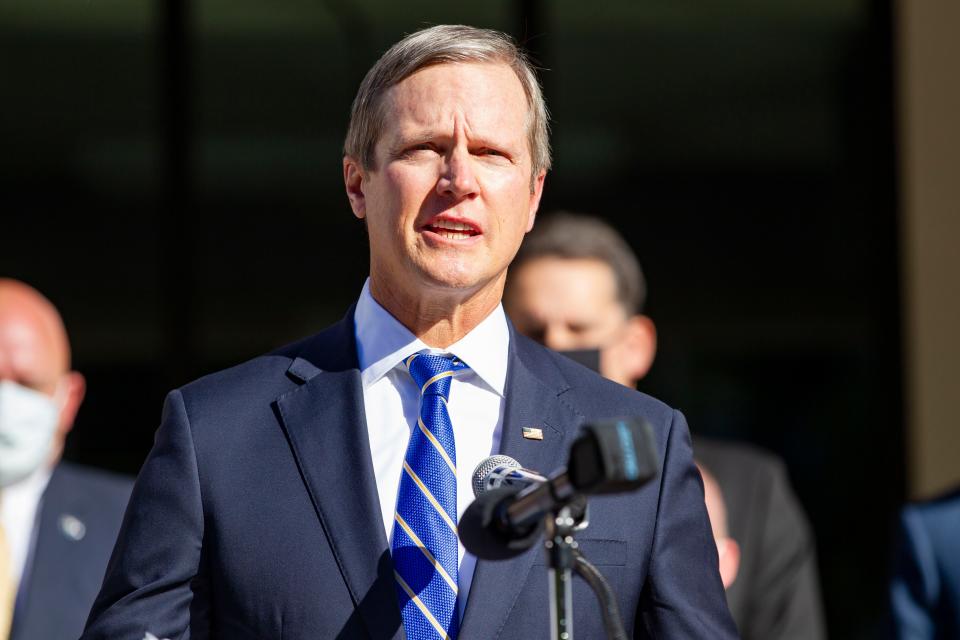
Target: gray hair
443, 44
573, 236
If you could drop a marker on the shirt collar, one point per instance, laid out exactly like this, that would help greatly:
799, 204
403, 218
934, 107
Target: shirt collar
19, 495
383, 343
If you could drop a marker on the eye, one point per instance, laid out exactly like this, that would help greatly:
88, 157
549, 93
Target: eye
419, 148
487, 151
578, 328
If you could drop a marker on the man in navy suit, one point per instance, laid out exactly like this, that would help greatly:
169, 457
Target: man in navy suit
58, 521
274, 491
925, 589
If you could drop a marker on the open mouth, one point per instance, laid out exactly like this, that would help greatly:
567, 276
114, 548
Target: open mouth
452, 230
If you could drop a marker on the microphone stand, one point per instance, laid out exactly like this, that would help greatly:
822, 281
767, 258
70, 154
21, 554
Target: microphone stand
560, 545
608, 602
564, 557
612, 456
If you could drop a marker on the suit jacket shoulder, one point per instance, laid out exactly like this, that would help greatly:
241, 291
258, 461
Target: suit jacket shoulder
654, 545
269, 376
925, 589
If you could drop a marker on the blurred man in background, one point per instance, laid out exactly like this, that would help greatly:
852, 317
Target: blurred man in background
576, 286
728, 551
58, 521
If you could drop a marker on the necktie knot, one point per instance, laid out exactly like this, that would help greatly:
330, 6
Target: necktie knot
432, 373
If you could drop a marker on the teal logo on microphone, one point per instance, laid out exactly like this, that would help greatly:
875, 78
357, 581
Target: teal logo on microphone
630, 467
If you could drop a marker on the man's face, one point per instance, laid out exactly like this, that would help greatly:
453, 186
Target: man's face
29, 350
571, 304
566, 304
35, 354
450, 197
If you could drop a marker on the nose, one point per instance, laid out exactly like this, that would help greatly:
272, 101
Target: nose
557, 337
458, 179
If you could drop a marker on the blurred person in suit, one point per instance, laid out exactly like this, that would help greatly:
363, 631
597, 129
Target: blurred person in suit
925, 586
577, 287
58, 521
316, 491
728, 551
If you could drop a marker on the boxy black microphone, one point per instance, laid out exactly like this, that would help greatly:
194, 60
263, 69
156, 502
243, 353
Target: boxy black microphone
608, 457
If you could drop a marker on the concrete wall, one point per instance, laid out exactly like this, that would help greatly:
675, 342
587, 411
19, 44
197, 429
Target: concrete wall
929, 139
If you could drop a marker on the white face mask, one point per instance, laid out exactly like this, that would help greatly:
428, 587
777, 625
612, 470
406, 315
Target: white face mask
28, 421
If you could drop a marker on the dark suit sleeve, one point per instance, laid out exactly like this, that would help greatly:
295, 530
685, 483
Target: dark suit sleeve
913, 588
785, 601
683, 597
153, 580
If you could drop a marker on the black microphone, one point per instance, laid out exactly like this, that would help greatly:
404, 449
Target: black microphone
495, 479
608, 457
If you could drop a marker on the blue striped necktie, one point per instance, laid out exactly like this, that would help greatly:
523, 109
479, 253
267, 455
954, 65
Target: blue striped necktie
425, 526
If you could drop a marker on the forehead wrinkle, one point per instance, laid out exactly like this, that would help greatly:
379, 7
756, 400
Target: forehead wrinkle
457, 105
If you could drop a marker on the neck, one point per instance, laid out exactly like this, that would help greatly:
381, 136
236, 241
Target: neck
439, 318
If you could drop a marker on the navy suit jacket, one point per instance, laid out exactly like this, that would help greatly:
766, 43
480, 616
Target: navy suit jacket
77, 525
256, 513
925, 590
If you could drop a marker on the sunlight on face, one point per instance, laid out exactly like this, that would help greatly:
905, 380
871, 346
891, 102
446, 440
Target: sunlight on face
449, 200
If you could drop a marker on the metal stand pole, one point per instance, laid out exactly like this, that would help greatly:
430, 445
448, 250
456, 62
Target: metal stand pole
561, 547
564, 558
608, 601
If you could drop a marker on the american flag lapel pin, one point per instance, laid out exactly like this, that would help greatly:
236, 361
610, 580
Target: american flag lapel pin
532, 433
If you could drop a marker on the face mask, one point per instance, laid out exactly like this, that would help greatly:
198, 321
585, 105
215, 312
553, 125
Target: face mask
28, 421
590, 358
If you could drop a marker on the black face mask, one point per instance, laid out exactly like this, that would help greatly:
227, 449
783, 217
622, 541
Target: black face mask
590, 358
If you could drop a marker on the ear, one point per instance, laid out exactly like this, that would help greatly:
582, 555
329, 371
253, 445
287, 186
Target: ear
353, 176
536, 191
641, 343
76, 389
729, 553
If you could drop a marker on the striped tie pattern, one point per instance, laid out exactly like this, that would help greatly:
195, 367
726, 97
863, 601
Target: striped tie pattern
425, 526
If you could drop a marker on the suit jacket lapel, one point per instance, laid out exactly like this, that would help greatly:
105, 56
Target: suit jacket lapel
532, 390
325, 423
55, 569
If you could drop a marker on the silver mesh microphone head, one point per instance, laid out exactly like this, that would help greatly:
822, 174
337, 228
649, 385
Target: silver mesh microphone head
485, 467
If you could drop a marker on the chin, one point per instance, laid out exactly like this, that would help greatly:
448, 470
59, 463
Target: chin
450, 281
454, 277
446, 271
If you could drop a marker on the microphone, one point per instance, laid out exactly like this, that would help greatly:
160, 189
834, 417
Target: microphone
502, 471
506, 518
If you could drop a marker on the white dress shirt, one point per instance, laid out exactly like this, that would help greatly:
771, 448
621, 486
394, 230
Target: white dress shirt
19, 504
392, 403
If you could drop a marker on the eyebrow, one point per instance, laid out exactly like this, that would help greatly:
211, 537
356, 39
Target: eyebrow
402, 141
